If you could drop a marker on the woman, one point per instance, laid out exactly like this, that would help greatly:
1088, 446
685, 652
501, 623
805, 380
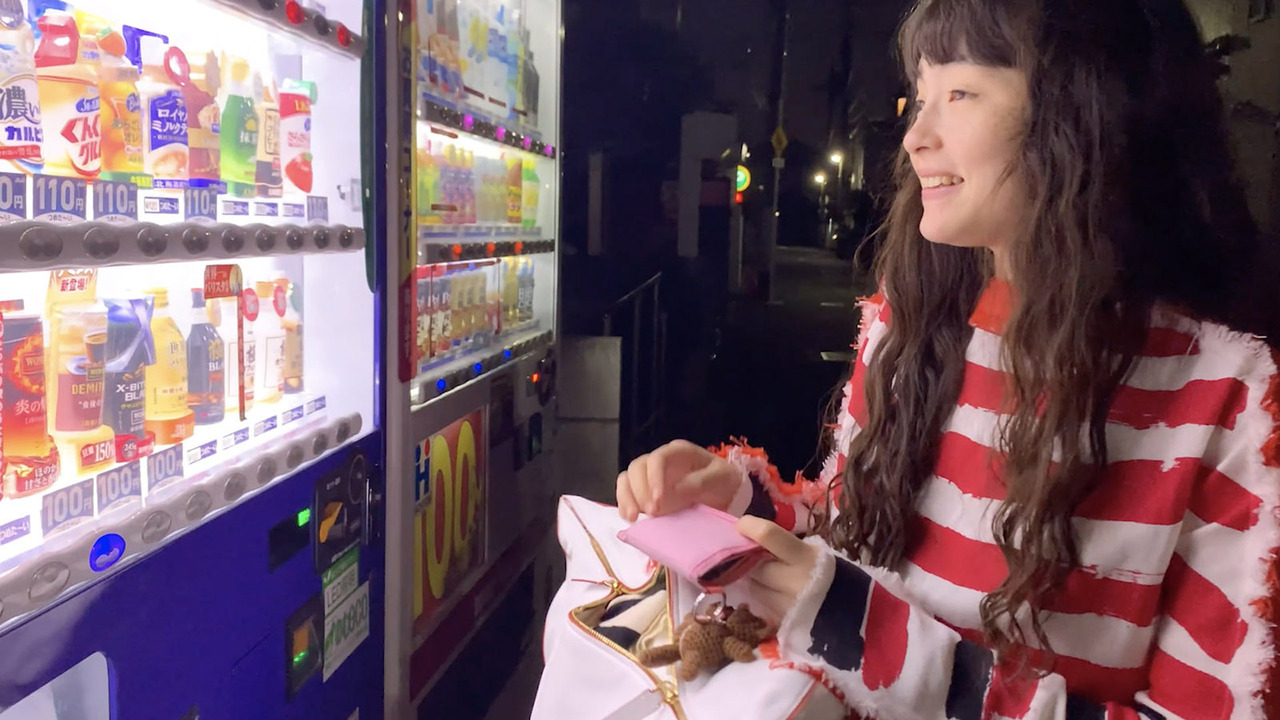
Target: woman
1055, 476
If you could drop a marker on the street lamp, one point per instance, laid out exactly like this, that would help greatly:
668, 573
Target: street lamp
837, 158
820, 179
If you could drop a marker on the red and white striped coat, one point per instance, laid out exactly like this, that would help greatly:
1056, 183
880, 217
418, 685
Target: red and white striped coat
1170, 613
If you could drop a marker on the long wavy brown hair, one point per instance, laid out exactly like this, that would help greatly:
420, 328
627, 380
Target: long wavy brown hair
1132, 203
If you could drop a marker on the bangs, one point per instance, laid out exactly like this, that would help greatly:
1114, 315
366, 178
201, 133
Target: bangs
995, 33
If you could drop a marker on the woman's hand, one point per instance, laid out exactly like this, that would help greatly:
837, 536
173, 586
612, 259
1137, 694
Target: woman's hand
674, 477
777, 583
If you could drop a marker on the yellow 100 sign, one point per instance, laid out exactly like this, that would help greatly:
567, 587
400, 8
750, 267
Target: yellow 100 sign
449, 490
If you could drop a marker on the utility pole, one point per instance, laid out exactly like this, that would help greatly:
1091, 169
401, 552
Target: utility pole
780, 101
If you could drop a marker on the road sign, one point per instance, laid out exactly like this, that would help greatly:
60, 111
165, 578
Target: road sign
779, 141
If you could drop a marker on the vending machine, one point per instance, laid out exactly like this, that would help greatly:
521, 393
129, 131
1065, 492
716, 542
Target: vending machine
472, 417
190, 368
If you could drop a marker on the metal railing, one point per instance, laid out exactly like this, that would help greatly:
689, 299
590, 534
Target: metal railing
640, 321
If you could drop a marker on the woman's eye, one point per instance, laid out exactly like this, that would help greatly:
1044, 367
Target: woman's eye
960, 95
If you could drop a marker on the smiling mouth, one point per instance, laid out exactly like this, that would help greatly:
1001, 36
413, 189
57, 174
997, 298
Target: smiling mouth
936, 181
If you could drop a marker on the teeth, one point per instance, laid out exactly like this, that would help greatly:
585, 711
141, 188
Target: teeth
940, 180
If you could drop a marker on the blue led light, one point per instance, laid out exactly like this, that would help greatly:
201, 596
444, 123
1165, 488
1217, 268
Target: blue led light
479, 368
441, 384
106, 551
507, 353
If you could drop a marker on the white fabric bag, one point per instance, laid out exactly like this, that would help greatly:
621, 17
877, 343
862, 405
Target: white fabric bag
587, 677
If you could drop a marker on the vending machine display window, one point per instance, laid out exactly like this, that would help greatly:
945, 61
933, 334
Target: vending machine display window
184, 305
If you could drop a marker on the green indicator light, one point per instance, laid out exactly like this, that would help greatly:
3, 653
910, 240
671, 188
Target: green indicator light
301, 657
304, 517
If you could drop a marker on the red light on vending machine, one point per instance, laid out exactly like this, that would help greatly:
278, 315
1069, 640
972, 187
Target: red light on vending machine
457, 251
519, 247
344, 35
294, 11
489, 249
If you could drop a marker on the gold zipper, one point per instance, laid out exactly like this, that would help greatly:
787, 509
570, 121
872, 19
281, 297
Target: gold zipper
670, 691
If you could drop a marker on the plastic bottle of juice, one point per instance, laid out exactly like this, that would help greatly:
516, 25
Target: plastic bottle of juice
167, 413
204, 119
239, 131
121, 106
67, 78
165, 154
20, 131
270, 333
296, 99
267, 171
230, 313
294, 364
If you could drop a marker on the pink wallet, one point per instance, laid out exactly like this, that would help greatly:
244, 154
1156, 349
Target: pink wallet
700, 544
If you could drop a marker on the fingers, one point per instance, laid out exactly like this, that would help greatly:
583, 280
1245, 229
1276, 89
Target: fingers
627, 506
638, 480
786, 547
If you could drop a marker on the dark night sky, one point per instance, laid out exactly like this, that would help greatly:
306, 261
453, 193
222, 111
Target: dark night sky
735, 40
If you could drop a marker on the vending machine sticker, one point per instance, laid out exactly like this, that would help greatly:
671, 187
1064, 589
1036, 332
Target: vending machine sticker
344, 629
15, 530
67, 507
316, 405
165, 466
295, 211
160, 205
450, 493
317, 209
119, 486
202, 204
341, 580
235, 208
266, 209
59, 199
292, 415
115, 202
13, 197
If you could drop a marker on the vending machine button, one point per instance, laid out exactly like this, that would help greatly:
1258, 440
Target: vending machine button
105, 552
267, 471
40, 244
234, 487
293, 458
346, 238
196, 240
48, 581
319, 443
198, 505
320, 237
265, 238
270, 5
101, 243
322, 25
357, 478
156, 527
232, 239
153, 240
293, 238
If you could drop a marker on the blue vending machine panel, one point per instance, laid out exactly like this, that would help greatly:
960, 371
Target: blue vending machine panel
192, 284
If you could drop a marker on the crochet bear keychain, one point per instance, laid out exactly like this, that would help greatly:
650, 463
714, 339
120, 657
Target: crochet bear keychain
709, 640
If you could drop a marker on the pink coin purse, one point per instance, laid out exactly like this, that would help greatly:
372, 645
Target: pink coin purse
700, 544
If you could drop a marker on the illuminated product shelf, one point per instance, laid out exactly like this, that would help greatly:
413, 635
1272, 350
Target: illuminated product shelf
477, 125
433, 247
443, 376
299, 21
135, 506
34, 245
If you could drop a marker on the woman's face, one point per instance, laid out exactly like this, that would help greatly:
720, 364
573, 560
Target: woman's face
965, 137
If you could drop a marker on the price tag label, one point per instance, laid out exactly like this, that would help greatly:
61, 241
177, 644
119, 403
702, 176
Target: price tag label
160, 205
67, 507
59, 199
13, 197
115, 202
238, 437
345, 628
292, 415
316, 405
235, 208
266, 209
202, 452
317, 209
119, 486
164, 467
295, 211
264, 426
202, 204
15, 530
